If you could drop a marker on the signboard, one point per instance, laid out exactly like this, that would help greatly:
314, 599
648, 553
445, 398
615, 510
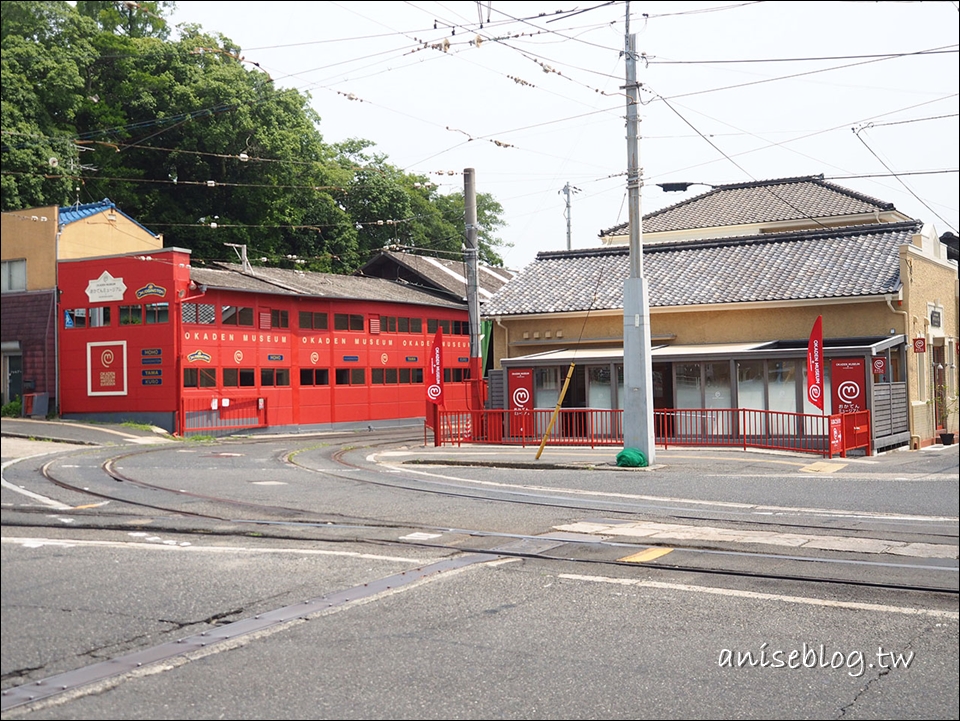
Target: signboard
107, 368
848, 385
836, 435
919, 345
879, 365
106, 288
520, 399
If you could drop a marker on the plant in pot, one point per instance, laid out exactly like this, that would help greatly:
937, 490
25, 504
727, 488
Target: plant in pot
946, 407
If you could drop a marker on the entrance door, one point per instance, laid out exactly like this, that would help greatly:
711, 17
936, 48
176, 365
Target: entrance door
663, 423
12, 377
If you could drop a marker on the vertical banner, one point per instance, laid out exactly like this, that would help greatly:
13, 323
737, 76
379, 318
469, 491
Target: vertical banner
435, 370
815, 364
848, 385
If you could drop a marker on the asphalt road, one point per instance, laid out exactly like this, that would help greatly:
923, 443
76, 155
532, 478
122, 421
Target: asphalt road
333, 577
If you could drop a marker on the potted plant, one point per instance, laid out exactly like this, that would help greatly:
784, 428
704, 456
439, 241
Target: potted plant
946, 406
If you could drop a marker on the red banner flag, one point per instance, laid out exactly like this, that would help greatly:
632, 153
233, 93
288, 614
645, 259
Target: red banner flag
815, 364
435, 370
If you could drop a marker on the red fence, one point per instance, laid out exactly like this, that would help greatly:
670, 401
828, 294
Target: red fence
220, 416
725, 427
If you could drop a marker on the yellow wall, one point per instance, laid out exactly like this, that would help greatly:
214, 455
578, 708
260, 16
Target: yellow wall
22, 237
32, 235
99, 235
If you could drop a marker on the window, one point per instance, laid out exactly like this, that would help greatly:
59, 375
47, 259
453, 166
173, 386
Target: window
14, 276
131, 314
314, 377
376, 376
75, 318
280, 318
238, 377
433, 324
237, 315
156, 313
351, 376
343, 321
99, 317
199, 377
200, 313
274, 376
313, 321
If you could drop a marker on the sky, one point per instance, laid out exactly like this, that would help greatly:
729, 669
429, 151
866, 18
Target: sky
529, 95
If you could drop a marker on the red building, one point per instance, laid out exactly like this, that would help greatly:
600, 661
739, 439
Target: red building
152, 339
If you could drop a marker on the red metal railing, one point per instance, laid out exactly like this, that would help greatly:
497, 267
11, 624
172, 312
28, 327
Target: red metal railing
218, 416
724, 427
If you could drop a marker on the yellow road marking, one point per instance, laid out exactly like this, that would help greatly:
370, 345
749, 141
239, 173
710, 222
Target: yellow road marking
823, 467
649, 555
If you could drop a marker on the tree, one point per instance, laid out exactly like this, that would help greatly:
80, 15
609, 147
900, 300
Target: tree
195, 143
132, 19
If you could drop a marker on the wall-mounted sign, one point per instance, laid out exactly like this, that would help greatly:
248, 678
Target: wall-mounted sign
199, 355
274, 357
107, 368
461, 359
151, 289
151, 372
919, 345
351, 358
879, 365
935, 319
151, 381
106, 288
151, 361
151, 351
413, 359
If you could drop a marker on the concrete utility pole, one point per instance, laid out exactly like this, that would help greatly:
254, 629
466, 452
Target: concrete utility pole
471, 259
566, 191
638, 431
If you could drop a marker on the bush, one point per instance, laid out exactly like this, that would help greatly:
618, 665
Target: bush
12, 409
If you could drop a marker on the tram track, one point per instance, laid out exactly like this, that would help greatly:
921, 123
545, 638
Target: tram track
284, 522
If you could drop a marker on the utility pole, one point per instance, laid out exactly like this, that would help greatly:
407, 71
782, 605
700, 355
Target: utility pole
471, 259
566, 191
638, 431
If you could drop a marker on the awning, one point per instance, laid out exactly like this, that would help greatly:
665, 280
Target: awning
832, 347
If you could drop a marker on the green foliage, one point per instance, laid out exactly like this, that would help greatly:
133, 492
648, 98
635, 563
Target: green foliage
13, 409
182, 134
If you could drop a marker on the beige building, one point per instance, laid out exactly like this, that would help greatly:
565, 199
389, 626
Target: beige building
736, 279
32, 242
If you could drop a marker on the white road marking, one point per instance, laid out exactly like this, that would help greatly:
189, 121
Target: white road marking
161, 546
853, 605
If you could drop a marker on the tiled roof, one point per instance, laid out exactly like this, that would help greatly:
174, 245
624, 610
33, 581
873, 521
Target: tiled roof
73, 213
766, 201
279, 281
836, 263
437, 273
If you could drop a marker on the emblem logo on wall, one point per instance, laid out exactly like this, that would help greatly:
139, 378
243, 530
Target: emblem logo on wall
521, 397
848, 391
199, 355
314, 357
384, 358
238, 356
107, 358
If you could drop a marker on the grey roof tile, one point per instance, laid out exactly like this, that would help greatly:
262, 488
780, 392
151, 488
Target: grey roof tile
280, 281
440, 273
765, 201
834, 263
